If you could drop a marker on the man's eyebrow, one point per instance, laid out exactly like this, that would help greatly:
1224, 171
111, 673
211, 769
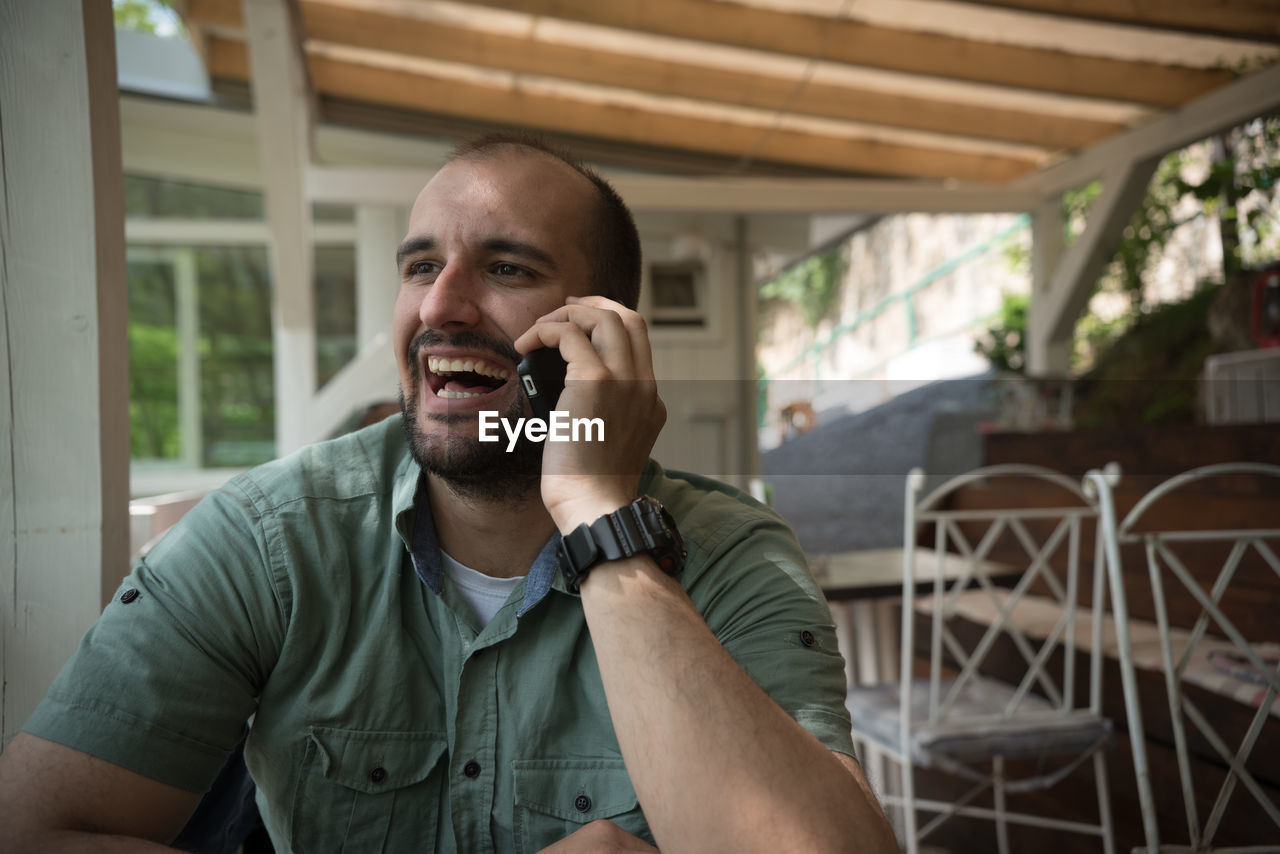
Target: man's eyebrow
413, 247
521, 250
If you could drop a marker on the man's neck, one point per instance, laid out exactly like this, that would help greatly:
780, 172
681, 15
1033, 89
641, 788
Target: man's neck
499, 537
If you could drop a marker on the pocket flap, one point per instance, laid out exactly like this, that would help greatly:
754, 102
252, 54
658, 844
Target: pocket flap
372, 761
574, 790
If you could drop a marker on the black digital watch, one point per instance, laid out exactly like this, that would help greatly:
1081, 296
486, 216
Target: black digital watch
644, 525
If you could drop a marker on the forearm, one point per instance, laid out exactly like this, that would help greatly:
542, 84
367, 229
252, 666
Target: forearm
57, 799
716, 764
74, 842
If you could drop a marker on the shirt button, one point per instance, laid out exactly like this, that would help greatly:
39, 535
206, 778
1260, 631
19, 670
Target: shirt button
378, 774
807, 638
471, 769
129, 595
582, 803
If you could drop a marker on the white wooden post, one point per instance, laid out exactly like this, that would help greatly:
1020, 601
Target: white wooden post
281, 103
64, 430
378, 235
1047, 225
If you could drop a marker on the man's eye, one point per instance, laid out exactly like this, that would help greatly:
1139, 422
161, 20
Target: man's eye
509, 270
422, 268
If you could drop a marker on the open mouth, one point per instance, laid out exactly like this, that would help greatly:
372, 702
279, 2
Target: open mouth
462, 378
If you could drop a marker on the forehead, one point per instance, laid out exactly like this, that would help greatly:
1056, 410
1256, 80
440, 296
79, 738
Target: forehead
513, 193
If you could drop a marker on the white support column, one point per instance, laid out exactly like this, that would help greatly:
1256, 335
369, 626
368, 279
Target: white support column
1059, 297
1047, 227
282, 107
64, 430
378, 236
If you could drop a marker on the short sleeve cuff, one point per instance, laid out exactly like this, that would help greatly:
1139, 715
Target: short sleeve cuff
128, 741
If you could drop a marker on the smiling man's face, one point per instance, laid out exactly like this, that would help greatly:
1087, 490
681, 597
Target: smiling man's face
493, 244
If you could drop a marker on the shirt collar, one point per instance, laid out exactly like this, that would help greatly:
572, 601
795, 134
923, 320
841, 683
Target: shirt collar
416, 527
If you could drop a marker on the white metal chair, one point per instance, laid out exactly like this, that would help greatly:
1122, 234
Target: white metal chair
960, 719
1183, 568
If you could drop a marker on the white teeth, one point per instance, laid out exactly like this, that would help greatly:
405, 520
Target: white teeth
447, 393
438, 365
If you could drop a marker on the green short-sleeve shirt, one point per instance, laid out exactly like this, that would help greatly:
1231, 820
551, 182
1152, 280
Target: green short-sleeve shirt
306, 596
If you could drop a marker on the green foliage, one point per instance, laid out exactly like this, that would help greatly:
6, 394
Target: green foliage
1149, 375
153, 392
153, 363
1004, 340
811, 285
237, 381
1239, 190
1094, 335
1075, 207
156, 17
133, 15
1150, 229
1242, 175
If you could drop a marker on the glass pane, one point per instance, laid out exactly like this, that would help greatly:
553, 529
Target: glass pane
153, 361
157, 197
335, 273
329, 212
236, 370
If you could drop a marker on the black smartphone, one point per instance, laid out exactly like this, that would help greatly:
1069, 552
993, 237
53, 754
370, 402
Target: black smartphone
542, 377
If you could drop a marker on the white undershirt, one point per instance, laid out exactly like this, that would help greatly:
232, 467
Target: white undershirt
484, 593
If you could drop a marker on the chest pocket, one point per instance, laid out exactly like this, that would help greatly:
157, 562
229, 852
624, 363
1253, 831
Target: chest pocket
555, 797
352, 782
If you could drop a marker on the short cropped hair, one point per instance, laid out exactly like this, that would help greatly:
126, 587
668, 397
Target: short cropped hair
614, 244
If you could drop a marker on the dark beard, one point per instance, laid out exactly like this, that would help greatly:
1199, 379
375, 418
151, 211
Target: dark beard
482, 471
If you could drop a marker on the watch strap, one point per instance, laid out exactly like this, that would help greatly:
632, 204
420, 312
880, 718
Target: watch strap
633, 529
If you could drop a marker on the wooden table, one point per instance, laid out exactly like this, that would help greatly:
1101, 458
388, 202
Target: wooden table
863, 587
877, 573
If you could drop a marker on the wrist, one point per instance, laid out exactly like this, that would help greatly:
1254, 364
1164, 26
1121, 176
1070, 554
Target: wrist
569, 514
642, 526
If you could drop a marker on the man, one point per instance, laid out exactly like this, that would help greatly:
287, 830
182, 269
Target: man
344, 599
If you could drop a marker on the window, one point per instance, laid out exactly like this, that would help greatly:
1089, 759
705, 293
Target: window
201, 373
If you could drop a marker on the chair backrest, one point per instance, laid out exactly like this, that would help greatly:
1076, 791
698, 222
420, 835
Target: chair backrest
1201, 566
1011, 592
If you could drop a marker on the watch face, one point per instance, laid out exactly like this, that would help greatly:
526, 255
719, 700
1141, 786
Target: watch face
670, 559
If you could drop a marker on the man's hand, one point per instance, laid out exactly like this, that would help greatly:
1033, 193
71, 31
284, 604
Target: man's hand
610, 377
600, 837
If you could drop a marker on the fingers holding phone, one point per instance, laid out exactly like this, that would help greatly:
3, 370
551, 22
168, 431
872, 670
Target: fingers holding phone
608, 381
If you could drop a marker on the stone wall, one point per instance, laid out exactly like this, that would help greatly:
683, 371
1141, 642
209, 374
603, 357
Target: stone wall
917, 290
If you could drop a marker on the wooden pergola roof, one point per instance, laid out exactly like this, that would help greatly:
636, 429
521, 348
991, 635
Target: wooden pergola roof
987, 92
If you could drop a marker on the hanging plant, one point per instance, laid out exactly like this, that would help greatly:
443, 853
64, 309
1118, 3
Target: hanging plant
811, 285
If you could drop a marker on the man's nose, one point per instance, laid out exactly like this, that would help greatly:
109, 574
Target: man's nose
450, 301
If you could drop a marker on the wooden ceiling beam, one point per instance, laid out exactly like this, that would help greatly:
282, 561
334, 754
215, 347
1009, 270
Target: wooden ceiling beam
865, 45
1251, 20
850, 43
223, 14
397, 88
338, 23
